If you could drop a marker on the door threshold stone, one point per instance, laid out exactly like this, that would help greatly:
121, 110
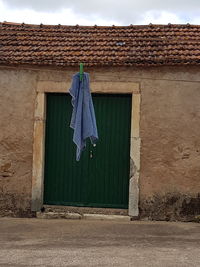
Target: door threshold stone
85, 210
58, 215
77, 216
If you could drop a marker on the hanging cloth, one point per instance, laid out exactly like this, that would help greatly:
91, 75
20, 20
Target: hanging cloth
83, 120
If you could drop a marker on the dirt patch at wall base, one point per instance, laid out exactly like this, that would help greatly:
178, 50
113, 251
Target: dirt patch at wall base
13, 205
171, 207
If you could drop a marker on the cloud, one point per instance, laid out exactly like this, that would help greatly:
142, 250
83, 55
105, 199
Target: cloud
109, 11
64, 17
158, 17
104, 5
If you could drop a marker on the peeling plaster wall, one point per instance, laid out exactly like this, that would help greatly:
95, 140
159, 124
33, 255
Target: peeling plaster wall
17, 94
169, 181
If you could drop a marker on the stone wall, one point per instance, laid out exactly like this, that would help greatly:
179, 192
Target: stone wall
170, 151
17, 96
169, 129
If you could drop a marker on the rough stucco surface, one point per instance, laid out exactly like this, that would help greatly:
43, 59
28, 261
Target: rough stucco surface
170, 151
169, 180
17, 93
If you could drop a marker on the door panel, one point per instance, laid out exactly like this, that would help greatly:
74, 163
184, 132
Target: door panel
97, 181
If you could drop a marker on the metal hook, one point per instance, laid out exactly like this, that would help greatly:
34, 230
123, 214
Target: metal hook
81, 71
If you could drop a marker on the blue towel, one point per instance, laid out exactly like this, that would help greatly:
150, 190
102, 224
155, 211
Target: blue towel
83, 119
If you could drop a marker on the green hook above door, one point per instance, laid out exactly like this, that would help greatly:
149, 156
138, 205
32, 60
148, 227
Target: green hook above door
81, 71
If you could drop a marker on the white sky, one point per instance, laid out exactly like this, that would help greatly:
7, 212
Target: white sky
101, 12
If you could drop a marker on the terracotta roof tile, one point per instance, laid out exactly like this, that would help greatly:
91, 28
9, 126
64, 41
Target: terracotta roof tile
99, 45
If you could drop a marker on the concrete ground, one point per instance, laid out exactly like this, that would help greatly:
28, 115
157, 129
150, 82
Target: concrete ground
40, 242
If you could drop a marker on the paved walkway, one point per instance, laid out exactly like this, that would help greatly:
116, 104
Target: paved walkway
40, 242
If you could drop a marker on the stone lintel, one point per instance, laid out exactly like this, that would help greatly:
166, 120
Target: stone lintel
96, 87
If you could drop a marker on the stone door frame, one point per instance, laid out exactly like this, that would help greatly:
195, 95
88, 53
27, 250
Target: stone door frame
44, 87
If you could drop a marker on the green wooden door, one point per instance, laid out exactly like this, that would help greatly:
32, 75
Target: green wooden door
101, 177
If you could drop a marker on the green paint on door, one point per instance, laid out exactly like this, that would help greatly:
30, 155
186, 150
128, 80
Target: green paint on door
101, 177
